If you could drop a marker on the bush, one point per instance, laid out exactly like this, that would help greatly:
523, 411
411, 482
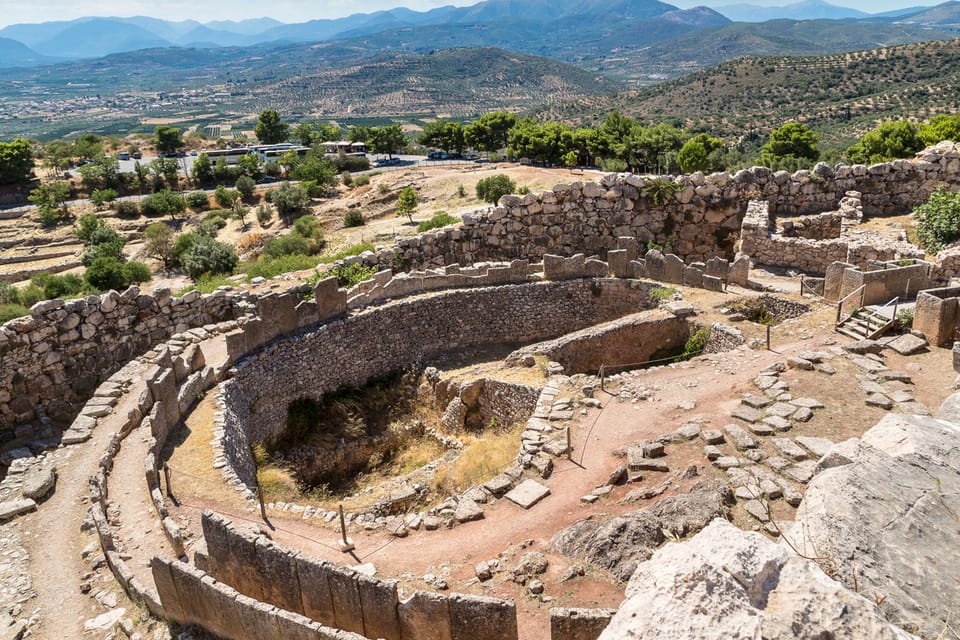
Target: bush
351, 163
127, 209
264, 214
11, 311
137, 272
163, 203
9, 293
106, 273
353, 274
100, 197
905, 319
206, 255
57, 286
346, 179
696, 343
270, 266
361, 181
198, 200
439, 219
183, 243
245, 186
492, 188
353, 218
289, 198
225, 197
289, 244
938, 220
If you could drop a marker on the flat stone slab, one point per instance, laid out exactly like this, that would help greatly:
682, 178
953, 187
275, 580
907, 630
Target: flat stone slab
809, 403
754, 401
757, 509
826, 368
762, 429
468, 511
802, 472
39, 482
75, 436
14, 508
781, 410
915, 408
802, 415
741, 439
712, 452
900, 396
868, 365
528, 493
777, 423
777, 463
899, 376
907, 344
765, 382
879, 400
727, 462
747, 414
817, 446
647, 464
712, 436
863, 346
790, 449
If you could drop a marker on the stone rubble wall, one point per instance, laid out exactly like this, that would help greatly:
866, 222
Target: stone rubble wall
883, 281
340, 597
626, 341
351, 350
723, 338
937, 315
698, 220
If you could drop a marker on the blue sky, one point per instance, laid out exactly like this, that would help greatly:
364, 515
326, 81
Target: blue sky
14, 11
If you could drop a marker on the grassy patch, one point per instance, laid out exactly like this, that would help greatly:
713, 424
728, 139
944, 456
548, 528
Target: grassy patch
207, 283
481, 459
659, 294
440, 219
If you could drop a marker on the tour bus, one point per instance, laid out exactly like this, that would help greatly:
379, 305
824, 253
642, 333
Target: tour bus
273, 152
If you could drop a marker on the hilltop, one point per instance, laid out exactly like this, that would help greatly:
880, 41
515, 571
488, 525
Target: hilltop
840, 96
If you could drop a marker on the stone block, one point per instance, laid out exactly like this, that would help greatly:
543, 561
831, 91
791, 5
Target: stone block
480, 618
528, 493
425, 615
653, 262
346, 599
331, 300
579, 624
619, 263
378, 600
673, 269
315, 590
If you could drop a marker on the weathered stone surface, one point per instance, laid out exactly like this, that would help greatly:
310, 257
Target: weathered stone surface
741, 439
579, 624
907, 344
39, 482
789, 449
891, 512
528, 493
747, 414
468, 511
727, 583
13, 508
879, 400
499, 484
619, 543
817, 446
781, 410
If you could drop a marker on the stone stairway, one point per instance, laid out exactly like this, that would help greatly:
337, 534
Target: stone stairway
865, 324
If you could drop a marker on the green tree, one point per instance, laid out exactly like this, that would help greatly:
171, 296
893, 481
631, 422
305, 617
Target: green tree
289, 198
16, 162
407, 201
102, 172
167, 139
792, 141
387, 139
87, 146
655, 147
270, 129
100, 197
546, 142
158, 243
250, 164
99, 239
51, 199
448, 136
492, 188
316, 168
697, 153
225, 197
202, 170
206, 255
106, 273
489, 133
941, 127
891, 140
163, 203
246, 186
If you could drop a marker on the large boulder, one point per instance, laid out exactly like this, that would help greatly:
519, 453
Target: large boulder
885, 519
727, 583
619, 543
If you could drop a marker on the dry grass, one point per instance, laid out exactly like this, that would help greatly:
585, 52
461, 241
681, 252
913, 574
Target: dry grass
278, 484
481, 459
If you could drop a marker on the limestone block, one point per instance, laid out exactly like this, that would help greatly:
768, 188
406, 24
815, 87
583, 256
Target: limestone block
579, 624
673, 268
378, 599
481, 618
425, 615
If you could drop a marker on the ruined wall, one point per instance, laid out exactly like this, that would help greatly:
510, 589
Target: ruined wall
698, 221
353, 350
882, 281
53, 359
339, 597
630, 340
937, 315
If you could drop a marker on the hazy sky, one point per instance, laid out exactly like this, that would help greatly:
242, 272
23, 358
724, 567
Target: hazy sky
14, 11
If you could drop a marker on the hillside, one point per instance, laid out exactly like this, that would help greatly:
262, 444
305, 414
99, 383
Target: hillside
840, 96
806, 10
16, 54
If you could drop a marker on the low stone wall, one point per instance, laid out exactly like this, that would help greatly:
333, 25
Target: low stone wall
627, 341
882, 281
190, 596
352, 350
723, 338
579, 624
937, 315
783, 309
340, 597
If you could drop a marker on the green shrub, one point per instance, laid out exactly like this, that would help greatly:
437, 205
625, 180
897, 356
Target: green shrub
198, 200
353, 218
439, 219
10, 311
137, 272
100, 197
523, 190
270, 266
206, 255
58, 286
361, 180
289, 199
905, 318
351, 163
127, 209
106, 273
346, 178
288, 244
31, 295
264, 214
225, 197
938, 220
659, 294
163, 203
245, 186
9, 294
461, 192
350, 275
183, 243
696, 343
492, 188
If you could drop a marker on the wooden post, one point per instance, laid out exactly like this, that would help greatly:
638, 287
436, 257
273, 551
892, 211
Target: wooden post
346, 544
569, 446
768, 338
601, 378
263, 508
166, 477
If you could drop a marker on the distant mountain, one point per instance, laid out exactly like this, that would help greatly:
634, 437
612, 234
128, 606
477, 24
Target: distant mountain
946, 15
16, 54
897, 13
249, 27
806, 10
100, 37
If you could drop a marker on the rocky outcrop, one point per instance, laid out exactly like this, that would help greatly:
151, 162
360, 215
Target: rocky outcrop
620, 543
728, 583
886, 518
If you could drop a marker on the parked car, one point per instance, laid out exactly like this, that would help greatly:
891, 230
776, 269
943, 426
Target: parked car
266, 180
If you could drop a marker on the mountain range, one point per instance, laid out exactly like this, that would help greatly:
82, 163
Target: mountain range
539, 27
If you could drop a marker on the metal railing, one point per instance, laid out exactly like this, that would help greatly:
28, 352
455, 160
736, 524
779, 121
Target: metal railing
859, 291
